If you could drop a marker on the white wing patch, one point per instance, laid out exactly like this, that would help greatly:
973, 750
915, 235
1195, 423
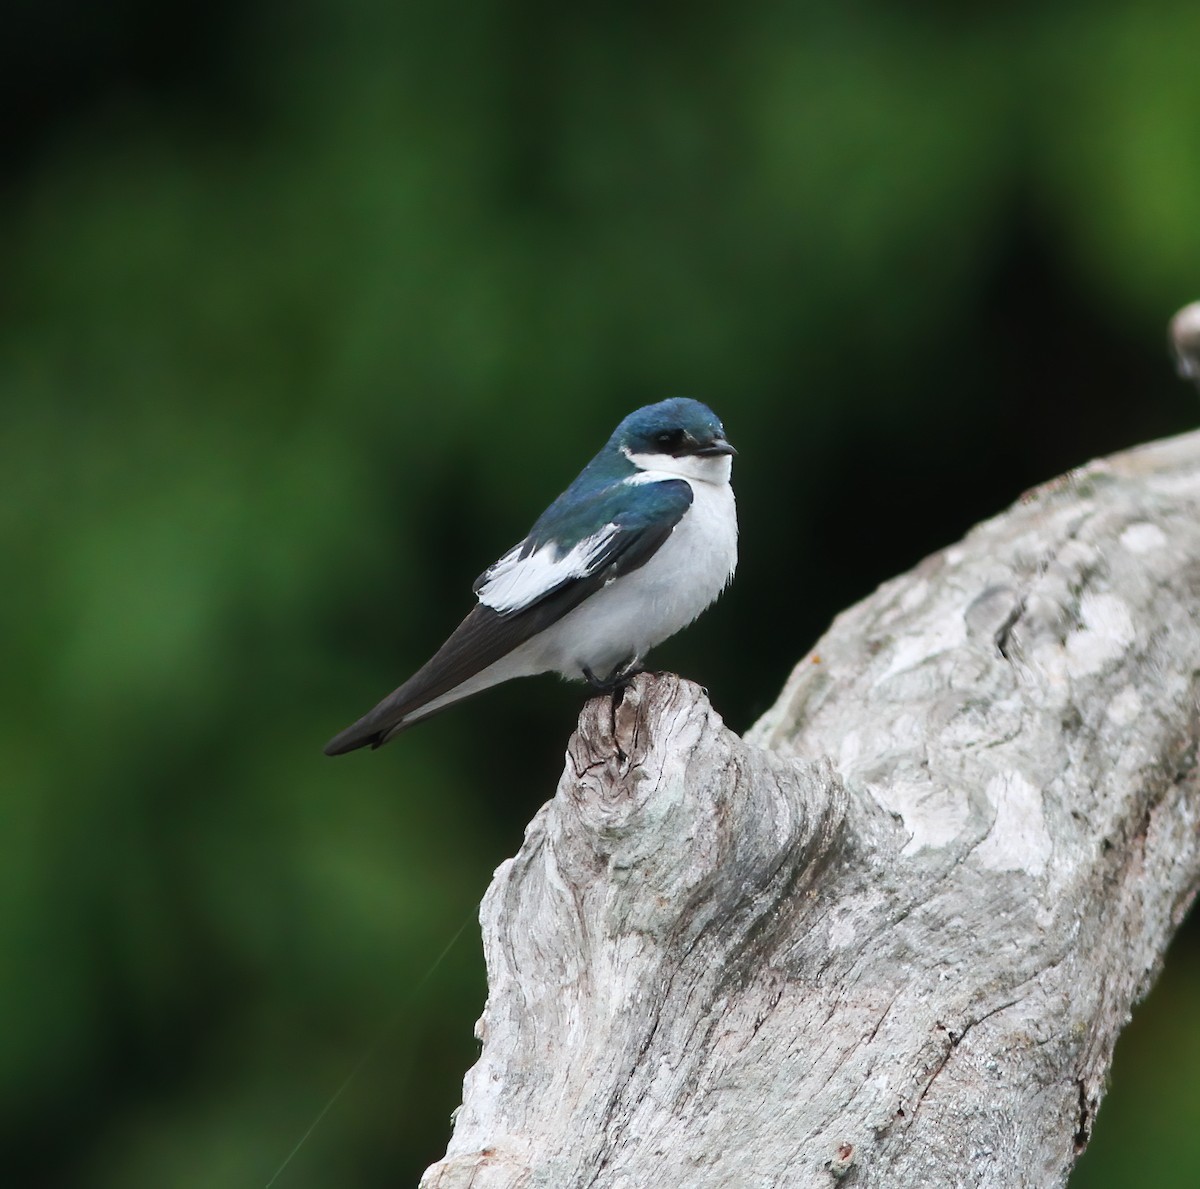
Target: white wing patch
517, 582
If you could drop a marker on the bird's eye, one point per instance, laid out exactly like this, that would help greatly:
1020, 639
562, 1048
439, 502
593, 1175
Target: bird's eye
669, 439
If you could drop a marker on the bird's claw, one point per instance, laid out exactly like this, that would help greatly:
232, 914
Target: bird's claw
618, 679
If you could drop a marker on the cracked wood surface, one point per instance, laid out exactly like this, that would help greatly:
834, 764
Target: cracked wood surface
891, 936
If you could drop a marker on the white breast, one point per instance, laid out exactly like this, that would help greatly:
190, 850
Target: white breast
630, 616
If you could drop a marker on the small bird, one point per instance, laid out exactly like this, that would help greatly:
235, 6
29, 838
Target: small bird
640, 543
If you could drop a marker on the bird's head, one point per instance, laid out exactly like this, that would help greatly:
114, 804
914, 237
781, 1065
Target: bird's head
679, 437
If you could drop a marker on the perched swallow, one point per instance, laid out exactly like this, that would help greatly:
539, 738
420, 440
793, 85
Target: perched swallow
642, 542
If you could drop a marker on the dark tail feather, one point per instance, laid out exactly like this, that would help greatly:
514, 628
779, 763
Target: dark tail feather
351, 739
475, 643
482, 638
382, 724
375, 727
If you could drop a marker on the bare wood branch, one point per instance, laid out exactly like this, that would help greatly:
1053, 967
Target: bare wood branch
892, 935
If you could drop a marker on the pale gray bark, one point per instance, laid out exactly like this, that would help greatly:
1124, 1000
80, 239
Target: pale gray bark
891, 936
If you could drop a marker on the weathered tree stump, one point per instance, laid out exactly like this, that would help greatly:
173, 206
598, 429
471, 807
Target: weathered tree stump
891, 936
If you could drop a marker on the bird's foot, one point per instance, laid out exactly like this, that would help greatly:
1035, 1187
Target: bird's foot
618, 679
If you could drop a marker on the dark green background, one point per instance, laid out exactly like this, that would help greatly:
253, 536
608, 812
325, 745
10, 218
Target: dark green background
306, 311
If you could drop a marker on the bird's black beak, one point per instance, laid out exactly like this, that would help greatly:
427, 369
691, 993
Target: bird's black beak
715, 447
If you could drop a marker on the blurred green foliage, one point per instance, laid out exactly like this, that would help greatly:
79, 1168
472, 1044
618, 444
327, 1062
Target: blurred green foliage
307, 310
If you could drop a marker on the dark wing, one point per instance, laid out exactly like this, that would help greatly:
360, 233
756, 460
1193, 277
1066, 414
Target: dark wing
531, 601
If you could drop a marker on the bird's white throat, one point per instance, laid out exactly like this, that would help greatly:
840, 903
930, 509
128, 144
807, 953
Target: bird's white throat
715, 469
